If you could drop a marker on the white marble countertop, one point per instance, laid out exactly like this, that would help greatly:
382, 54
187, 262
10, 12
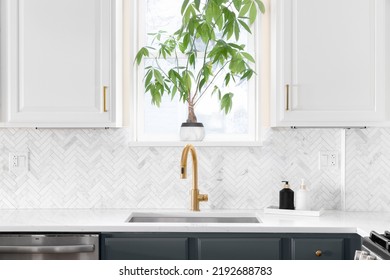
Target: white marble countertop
110, 220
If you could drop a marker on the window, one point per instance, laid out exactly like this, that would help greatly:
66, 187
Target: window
163, 123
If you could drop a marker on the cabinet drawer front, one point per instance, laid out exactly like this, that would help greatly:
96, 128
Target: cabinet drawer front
239, 248
317, 249
146, 249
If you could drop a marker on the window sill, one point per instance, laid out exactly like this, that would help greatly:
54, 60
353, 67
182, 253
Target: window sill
196, 144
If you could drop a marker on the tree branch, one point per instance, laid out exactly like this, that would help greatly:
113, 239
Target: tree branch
212, 81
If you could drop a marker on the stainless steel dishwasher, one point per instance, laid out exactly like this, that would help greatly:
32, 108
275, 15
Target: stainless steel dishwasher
49, 246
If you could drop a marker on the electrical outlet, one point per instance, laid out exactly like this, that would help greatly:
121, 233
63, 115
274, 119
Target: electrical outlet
18, 162
13, 160
333, 160
328, 159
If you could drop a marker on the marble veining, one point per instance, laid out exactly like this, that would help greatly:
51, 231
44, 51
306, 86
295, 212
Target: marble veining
96, 168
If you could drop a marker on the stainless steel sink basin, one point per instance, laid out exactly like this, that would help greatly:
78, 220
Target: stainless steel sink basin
226, 218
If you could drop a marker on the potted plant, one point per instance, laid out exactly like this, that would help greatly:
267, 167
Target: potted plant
209, 30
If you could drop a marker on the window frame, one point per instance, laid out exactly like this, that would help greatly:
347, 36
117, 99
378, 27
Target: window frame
134, 89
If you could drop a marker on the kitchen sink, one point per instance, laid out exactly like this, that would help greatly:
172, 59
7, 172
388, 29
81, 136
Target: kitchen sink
225, 218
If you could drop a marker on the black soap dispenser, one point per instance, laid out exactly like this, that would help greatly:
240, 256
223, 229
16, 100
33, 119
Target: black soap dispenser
286, 197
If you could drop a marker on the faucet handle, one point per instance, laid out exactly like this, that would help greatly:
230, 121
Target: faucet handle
203, 197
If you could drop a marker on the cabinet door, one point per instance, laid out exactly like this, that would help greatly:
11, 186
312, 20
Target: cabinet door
329, 65
145, 248
239, 248
59, 62
317, 249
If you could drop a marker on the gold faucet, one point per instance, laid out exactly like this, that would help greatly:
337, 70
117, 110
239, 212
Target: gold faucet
195, 196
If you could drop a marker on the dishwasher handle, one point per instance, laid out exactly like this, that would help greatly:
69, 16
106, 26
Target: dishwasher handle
68, 249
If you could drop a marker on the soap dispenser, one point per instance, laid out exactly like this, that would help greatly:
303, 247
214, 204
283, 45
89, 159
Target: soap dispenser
302, 199
286, 197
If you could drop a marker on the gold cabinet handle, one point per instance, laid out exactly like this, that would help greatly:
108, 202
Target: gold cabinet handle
287, 97
105, 99
318, 253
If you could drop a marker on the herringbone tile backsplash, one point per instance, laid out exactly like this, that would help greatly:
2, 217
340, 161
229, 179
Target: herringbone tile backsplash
95, 168
368, 170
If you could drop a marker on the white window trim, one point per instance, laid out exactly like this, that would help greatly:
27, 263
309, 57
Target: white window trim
132, 92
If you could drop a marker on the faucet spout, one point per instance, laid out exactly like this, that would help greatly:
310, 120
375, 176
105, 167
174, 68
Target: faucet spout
195, 196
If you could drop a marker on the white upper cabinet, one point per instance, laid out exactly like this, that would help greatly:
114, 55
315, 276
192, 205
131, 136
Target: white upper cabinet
60, 63
328, 65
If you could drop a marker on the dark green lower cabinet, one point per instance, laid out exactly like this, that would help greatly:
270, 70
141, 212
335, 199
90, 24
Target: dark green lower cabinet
228, 246
327, 247
146, 248
317, 249
239, 248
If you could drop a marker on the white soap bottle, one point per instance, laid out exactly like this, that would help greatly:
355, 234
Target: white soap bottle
302, 197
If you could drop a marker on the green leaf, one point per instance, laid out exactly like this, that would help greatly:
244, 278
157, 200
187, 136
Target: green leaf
186, 41
141, 53
172, 76
188, 14
241, 66
191, 59
148, 77
239, 47
204, 32
182, 47
187, 81
227, 102
244, 9
138, 58
247, 74
217, 90
162, 52
191, 26
229, 29
156, 98
236, 31
209, 14
201, 84
248, 57
261, 6
252, 14
207, 70
227, 79
158, 76
184, 96
173, 92
197, 4
237, 4
237, 65
245, 26
184, 6
219, 22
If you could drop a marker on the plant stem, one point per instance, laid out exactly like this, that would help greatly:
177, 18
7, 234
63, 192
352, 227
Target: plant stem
204, 62
200, 72
165, 74
215, 76
194, 37
191, 113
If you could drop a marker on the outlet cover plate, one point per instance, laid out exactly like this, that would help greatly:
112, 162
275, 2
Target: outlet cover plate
328, 159
18, 162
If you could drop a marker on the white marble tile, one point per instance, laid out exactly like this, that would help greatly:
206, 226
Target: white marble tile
368, 170
95, 168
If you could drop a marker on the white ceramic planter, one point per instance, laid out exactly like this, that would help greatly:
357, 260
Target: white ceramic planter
192, 132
